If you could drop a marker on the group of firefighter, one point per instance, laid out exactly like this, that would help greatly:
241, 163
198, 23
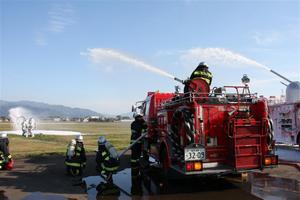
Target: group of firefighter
107, 157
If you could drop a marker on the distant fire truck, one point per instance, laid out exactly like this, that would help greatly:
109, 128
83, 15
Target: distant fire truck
208, 132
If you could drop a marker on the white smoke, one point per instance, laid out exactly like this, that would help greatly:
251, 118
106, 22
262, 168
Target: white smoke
103, 56
219, 56
18, 115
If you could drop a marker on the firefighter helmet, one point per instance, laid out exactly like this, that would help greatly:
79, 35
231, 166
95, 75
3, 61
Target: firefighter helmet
202, 65
79, 138
101, 140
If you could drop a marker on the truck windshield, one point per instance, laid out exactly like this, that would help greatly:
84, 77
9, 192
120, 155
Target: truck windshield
147, 107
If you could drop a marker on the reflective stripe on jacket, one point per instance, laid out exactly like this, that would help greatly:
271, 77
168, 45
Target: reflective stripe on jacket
109, 169
205, 75
73, 164
107, 158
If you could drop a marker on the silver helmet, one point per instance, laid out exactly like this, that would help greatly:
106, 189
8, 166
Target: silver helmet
79, 138
101, 140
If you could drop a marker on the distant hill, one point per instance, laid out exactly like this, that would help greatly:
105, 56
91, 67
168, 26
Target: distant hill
129, 114
43, 110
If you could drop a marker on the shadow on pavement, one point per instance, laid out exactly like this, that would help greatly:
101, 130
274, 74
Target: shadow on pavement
47, 174
129, 184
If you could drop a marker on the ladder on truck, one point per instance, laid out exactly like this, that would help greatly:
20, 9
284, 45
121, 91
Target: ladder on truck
245, 139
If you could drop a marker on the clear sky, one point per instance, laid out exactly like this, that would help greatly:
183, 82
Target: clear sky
46, 45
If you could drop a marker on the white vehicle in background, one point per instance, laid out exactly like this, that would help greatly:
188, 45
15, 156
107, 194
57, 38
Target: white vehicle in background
286, 116
286, 122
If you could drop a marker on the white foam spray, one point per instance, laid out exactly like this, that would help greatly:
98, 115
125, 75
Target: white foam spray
219, 55
99, 55
18, 115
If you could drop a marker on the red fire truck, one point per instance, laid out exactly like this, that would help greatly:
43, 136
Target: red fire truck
227, 130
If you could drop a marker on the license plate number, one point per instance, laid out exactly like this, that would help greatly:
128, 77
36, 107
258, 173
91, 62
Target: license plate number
194, 154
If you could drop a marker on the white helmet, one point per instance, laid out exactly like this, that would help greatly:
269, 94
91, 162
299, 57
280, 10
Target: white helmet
101, 140
3, 135
79, 138
203, 65
73, 142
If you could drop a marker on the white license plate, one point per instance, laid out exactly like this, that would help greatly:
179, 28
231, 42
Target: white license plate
194, 154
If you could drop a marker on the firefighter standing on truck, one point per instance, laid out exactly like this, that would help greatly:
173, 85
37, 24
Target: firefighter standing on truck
107, 159
137, 127
6, 161
201, 72
75, 156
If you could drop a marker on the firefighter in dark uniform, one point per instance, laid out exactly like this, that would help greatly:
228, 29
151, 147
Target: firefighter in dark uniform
76, 163
137, 127
6, 161
107, 159
201, 72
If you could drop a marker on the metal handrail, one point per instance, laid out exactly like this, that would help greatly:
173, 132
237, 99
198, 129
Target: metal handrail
190, 96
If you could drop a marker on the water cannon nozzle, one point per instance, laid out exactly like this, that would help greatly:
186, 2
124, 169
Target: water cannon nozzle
179, 80
280, 76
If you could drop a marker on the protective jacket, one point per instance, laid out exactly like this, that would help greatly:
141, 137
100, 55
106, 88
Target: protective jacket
5, 157
137, 127
79, 157
4, 142
203, 74
107, 159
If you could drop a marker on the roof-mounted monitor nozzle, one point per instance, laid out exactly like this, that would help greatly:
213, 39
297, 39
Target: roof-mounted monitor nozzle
280, 76
245, 79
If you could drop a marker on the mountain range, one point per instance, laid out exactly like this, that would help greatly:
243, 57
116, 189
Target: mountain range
44, 110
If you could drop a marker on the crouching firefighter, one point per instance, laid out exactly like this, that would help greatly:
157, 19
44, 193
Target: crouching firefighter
138, 126
107, 159
75, 157
6, 161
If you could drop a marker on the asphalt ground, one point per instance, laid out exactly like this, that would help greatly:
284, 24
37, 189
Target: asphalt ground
44, 178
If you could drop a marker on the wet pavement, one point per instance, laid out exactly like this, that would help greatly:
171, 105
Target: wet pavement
151, 186
36, 196
271, 188
39, 196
